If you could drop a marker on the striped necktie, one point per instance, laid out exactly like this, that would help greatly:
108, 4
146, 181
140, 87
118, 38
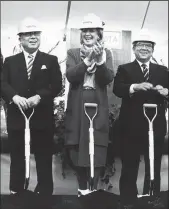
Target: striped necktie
30, 64
145, 72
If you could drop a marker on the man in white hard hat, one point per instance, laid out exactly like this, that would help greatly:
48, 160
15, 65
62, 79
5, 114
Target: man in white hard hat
31, 79
137, 83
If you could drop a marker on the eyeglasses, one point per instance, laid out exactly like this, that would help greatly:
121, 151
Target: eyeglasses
34, 33
90, 30
146, 45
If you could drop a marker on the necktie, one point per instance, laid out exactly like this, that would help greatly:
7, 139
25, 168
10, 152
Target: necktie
30, 64
145, 72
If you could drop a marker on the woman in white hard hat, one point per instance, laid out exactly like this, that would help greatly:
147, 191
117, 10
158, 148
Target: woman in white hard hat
89, 70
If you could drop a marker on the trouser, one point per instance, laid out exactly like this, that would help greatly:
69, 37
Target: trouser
41, 142
130, 164
83, 175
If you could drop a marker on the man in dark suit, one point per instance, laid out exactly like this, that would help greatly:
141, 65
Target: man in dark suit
31, 79
137, 83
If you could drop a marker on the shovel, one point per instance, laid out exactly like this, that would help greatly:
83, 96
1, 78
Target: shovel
151, 146
91, 142
27, 147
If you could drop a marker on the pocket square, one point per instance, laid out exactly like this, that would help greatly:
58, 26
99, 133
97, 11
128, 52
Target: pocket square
43, 67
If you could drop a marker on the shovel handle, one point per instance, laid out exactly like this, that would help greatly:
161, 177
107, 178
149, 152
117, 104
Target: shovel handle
27, 147
151, 144
27, 156
90, 104
149, 105
144, 110
91, 142
151, 154
91, 151
26, 119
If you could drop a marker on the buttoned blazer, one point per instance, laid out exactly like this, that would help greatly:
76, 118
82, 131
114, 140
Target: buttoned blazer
45, 81
132, 119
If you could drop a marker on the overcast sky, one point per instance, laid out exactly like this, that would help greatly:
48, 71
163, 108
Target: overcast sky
118, 15
126, 14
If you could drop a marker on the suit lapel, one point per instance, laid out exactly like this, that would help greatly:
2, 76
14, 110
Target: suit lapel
136, 72
22, 69
152, 73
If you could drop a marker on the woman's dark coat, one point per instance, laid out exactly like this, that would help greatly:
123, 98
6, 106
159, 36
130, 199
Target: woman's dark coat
75, 72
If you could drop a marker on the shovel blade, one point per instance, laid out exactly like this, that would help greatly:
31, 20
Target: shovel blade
91, 184
151, 188
26, 183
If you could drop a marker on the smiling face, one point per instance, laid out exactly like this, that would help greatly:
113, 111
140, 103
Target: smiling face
143, 51
30, 41
89, 36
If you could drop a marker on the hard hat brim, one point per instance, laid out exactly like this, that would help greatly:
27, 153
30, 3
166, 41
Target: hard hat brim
152, 42
90, 27
29, 31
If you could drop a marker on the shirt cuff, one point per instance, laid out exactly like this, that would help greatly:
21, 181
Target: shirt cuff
166, 96
87, 62
131, 90
11, 101
38, 96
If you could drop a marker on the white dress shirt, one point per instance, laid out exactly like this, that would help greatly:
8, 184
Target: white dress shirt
26, 54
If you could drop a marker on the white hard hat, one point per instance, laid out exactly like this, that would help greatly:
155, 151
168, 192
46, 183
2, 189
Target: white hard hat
29, 24
91, 21
144, 35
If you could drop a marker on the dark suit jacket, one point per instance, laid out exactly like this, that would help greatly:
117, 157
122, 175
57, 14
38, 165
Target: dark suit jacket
45, 82
132, 119
1, 61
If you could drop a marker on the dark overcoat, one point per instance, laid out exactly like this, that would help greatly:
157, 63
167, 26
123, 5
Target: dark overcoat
132, 120
75, 71
45, 81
